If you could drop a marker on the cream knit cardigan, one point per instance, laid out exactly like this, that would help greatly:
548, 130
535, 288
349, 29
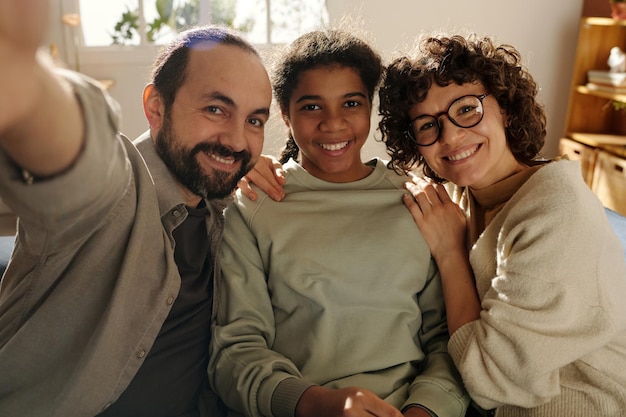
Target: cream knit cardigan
550, 274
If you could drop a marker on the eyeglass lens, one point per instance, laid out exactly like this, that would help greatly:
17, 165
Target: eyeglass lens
466, 111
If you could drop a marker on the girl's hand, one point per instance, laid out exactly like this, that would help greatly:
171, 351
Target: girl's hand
268, 175
345, 402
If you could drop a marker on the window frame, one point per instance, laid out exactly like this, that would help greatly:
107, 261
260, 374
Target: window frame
73, 6
77, 54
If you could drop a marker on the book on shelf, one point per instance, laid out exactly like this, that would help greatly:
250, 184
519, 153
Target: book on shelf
608, 78
606, 88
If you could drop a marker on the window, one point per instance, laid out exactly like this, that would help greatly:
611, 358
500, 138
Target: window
140, 22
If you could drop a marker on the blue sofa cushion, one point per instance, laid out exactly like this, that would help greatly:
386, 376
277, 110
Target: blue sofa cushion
619, 225
6, 246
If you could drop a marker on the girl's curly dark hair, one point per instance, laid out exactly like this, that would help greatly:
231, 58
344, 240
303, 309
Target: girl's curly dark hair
324, 48
457, 59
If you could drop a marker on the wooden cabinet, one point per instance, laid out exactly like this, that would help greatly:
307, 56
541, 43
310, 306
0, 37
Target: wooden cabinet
580, 152
595, 132
609, 181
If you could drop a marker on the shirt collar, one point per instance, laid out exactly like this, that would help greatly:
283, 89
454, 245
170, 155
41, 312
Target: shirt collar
167, 188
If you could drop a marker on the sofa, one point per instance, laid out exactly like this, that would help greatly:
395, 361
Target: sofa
619, 225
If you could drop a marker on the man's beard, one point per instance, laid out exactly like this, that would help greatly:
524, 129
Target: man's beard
183, 164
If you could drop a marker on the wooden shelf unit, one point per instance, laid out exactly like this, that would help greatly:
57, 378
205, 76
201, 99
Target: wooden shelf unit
595, 133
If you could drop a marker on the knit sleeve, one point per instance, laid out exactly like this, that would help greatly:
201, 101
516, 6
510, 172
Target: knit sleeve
243, 370
549, 273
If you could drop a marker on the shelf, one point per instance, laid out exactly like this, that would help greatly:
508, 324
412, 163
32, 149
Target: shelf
604, 21
596, 139
595, 132
615, 144
604, 94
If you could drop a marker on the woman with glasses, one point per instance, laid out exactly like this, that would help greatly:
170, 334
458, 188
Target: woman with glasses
533, 276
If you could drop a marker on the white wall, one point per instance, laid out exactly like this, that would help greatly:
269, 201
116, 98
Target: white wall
545, 32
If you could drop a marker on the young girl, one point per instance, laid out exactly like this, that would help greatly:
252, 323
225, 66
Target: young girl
542, 332
329, 303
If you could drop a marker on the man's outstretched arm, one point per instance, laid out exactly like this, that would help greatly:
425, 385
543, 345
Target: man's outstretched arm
41, 125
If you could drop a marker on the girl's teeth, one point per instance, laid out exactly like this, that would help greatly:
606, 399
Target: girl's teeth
334, 146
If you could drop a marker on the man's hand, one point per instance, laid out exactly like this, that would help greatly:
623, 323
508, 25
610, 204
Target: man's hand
24, 22
22, 27
268, 175
41, 125
346, 402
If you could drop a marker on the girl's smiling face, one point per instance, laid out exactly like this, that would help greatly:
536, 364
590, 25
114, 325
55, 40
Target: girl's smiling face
478, 156
329, 118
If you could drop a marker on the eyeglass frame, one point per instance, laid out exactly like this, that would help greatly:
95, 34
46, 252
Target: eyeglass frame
437, 116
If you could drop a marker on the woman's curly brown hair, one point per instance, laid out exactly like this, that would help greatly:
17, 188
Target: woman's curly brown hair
457, 59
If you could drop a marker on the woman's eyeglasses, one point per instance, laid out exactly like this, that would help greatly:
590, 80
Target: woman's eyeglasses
465, 112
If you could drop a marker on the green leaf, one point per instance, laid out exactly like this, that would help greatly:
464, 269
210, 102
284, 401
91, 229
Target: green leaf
164, 9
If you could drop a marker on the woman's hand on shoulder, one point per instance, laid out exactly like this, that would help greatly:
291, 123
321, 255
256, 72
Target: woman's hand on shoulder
441, 221
268, 175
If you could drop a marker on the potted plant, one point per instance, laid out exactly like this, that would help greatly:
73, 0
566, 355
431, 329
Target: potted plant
172, 16
620, 116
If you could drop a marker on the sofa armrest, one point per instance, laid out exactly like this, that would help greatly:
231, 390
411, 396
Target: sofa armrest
619, 226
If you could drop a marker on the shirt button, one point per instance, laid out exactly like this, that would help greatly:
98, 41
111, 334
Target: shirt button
141, 353
170, 300
175, 212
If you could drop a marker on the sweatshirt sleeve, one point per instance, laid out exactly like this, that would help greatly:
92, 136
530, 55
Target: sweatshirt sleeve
438, 386
552, 300
243, 370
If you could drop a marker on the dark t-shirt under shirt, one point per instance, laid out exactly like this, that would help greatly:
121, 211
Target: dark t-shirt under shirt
175, 369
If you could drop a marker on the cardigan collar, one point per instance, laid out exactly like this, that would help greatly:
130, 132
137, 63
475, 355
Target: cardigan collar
486, 203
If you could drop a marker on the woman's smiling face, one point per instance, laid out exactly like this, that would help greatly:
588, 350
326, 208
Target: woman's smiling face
477, 156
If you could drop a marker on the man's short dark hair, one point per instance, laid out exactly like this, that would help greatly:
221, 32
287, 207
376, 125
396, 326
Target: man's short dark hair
170, 68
